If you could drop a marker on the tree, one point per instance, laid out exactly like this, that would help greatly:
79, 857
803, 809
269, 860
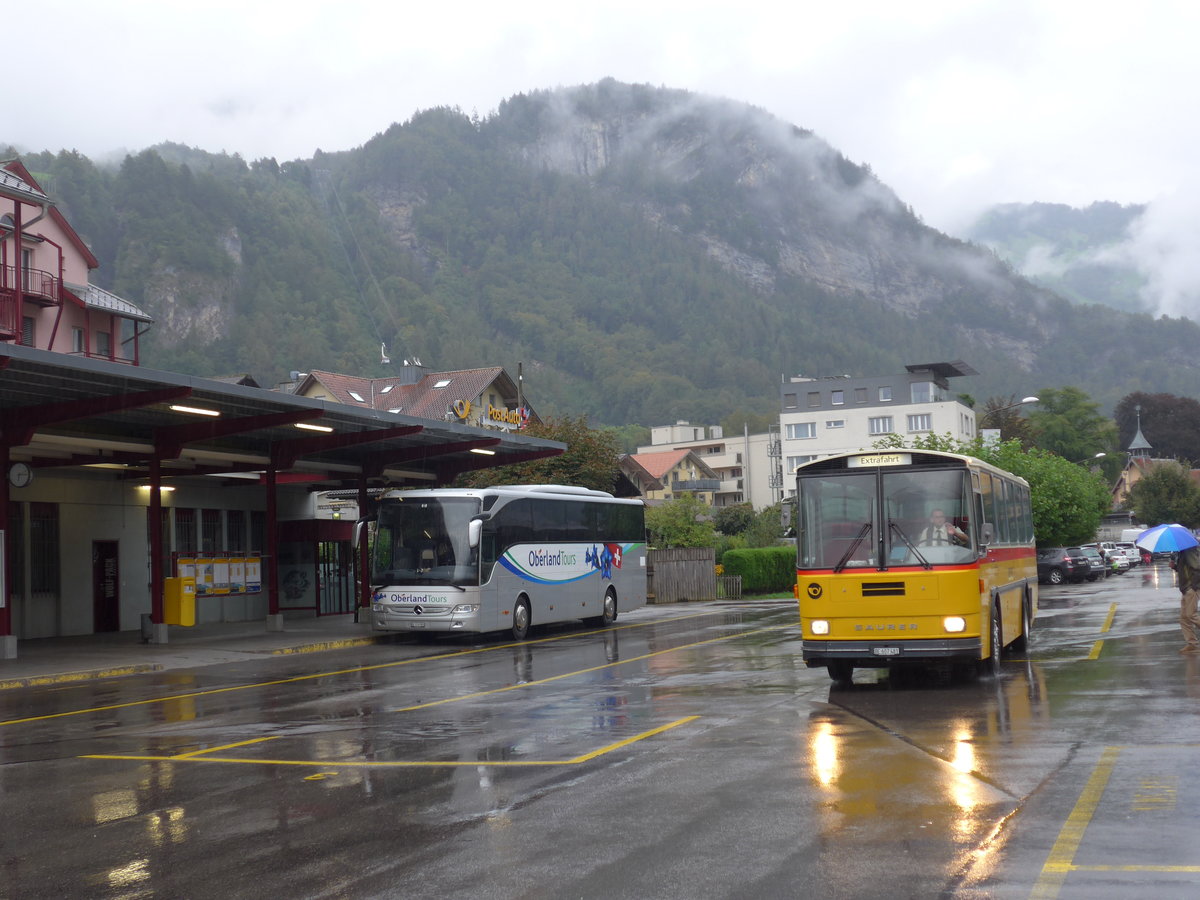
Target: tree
767, 527
1171, 424
682, 522
733, 519
1068, 423
1166, 493
590, 459
1068, 500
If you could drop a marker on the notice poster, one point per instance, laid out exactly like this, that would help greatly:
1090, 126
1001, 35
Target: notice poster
205, 575
237, 575
253, 575
220, 575
185, 567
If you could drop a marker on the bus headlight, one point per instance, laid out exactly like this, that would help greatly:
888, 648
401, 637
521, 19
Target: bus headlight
819, 626
466, 608
954, 624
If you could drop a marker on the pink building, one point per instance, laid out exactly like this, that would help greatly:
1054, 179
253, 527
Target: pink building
46, 298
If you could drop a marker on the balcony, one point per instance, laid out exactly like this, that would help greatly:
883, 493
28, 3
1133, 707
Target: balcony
696, 485
37, 287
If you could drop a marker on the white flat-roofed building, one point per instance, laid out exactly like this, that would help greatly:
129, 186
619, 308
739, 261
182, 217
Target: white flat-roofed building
840, 414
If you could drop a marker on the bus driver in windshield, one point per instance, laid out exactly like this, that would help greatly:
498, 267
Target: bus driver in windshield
940, 532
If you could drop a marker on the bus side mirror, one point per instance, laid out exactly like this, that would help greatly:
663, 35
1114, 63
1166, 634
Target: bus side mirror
360, 528
986, 534
474, 533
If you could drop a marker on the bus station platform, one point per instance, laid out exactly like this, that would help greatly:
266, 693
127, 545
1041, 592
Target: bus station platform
61, 660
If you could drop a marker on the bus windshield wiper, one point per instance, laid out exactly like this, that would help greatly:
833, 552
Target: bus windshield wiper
862, 533
909, 544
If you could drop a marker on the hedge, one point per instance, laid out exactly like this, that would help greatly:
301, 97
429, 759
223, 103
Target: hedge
764, 570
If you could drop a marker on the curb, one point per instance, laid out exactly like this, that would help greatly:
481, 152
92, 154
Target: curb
70, 677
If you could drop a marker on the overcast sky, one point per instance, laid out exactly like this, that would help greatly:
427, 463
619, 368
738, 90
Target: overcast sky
955, 104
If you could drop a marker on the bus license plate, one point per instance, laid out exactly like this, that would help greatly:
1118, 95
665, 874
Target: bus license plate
886, 651
416, 624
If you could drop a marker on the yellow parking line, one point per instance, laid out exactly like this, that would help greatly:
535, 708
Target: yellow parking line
620, 662
1112, 612
195, 753
391, 764
1060, 861
316, 675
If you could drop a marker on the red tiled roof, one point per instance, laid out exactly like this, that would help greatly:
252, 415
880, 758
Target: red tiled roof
660, 462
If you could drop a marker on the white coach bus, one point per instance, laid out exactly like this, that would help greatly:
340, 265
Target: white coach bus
505, 558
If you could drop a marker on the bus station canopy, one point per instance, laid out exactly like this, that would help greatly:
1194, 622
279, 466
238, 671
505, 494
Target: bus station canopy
61, 411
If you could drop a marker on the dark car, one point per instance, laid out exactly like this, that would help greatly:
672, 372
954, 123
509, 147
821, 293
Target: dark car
1100, 568
1058, 564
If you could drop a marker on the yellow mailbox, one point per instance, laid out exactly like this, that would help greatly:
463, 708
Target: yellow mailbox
179, 601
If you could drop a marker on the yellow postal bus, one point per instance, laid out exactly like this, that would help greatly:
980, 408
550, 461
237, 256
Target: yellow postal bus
907, 556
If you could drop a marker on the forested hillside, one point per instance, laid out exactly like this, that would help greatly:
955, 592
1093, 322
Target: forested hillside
648, 254
1075, 252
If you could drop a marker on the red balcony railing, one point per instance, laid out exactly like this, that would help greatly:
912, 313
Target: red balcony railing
37, 286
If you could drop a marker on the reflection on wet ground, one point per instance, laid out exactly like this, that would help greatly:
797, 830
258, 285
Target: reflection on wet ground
624, 755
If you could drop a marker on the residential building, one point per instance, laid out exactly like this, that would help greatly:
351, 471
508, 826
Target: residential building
485, 398
840, 414
47, 300
678, 472
740, 462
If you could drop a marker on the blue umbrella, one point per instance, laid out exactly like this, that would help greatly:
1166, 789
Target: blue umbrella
1166, 539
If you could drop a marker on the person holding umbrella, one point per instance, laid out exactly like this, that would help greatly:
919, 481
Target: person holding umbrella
1176, 538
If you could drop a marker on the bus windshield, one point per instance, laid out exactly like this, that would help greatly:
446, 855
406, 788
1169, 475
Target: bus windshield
882, 518
424, 541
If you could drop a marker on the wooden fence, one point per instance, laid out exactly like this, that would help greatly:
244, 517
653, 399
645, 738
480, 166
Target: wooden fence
682, 574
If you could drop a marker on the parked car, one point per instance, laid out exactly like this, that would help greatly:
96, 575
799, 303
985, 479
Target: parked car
1058, 564
1131, 551
1100, 568
1114, 562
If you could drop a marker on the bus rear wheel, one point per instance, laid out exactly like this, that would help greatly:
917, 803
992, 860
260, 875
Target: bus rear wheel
1022, 643
609, 615
520, 623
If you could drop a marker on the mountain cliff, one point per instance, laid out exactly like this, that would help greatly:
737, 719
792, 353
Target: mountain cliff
648, 254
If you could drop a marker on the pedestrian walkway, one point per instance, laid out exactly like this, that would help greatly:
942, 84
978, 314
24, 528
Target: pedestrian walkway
64, 659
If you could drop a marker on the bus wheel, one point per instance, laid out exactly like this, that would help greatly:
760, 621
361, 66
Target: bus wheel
1022, 643
991, 665
520, 625
610, 607
842, 672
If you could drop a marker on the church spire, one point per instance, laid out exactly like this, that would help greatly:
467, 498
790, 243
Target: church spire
1139, 447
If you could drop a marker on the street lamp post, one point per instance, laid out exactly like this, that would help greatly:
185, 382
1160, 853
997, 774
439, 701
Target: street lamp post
992, 435
991, 412
1089, 459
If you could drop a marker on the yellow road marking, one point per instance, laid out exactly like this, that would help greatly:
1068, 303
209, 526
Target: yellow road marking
1059, 863
1112, 612
317, 675
620, 662
394, 764
1135, 868
194, 753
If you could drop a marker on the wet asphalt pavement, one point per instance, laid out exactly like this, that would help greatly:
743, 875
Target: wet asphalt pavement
685, 752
